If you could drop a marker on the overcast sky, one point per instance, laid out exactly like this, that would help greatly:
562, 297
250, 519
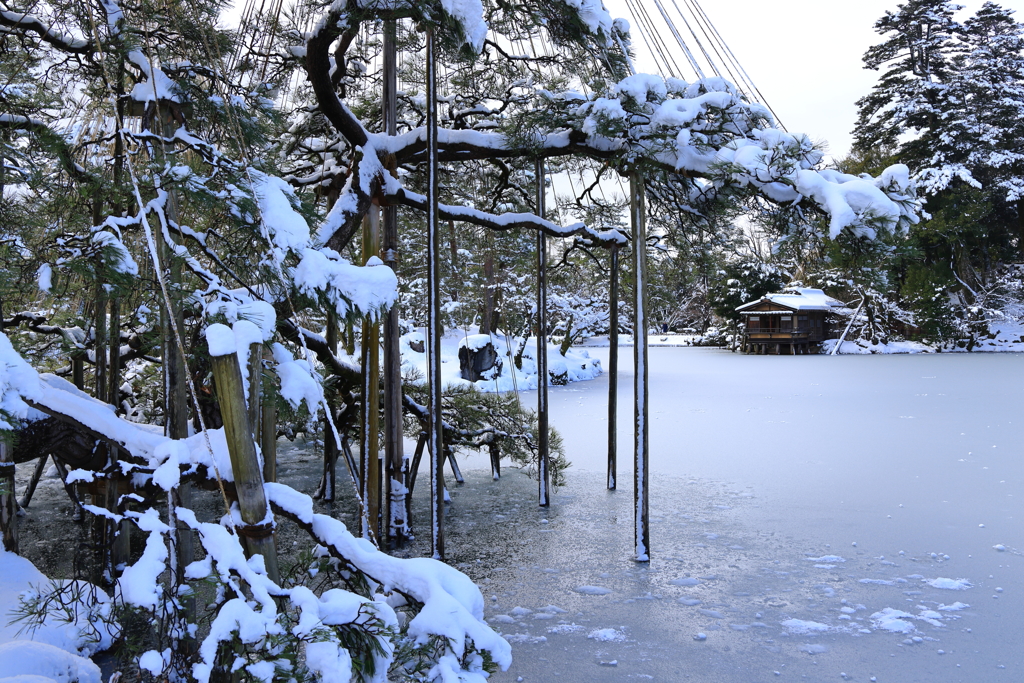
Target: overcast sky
804, 55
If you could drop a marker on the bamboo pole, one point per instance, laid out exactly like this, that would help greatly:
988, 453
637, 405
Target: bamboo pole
613, 370
369, 449
257, 529
641, 450
396, 474
543, 446
435, 432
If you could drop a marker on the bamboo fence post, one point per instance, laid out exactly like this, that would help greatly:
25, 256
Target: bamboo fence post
257, 529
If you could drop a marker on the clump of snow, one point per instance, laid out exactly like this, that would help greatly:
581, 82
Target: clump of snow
593, 590
607, 635
221, 340
287, 229
44, 278
17, 380
950, 584
893, 620
802, 627
297, 380
366, 290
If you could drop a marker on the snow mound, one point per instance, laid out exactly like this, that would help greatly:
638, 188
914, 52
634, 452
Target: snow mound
593, 590
25, 658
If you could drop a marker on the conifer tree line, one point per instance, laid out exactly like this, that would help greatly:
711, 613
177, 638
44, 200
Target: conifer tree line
948, 103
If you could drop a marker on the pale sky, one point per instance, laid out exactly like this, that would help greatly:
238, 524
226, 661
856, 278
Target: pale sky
804, 55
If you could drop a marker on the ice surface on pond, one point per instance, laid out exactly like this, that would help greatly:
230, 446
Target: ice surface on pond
778, 485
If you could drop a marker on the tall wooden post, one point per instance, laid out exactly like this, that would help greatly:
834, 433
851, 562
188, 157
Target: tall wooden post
328, 487
8, 503
543, 454
258, 537
435, 436
175, 383
613, 370
395, 476
369, 488
641, 447
268, 426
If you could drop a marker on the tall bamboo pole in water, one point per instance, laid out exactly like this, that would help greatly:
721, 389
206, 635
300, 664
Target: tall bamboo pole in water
435, 437
395, 476
543, 454
613, 370
641, 447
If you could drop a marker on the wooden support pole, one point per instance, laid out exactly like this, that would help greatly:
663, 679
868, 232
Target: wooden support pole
435, 432
396, 474
328, 485
257, 529
641, 450
369, 441
494, 450
613, 369
414, 469
268, 425
543, 447
8, 497
34, 481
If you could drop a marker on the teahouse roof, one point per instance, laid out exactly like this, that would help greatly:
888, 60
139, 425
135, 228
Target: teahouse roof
796, 299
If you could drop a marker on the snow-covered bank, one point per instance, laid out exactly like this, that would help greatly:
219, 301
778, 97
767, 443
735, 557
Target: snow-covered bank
574, 366
57, 650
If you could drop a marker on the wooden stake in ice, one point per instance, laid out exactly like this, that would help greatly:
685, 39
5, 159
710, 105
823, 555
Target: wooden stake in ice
543, 454
641, 449
613, 369
435, 436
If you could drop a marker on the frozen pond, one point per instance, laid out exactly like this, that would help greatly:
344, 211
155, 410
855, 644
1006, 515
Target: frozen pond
812, 519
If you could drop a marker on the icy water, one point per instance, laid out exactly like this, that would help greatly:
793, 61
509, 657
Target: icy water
813, 519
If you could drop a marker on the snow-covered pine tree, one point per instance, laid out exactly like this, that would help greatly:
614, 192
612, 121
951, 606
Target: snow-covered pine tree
915, 59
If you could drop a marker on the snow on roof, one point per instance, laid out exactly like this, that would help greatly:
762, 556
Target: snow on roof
798, 299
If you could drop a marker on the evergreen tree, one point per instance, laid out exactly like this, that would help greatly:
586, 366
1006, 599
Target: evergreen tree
917, 56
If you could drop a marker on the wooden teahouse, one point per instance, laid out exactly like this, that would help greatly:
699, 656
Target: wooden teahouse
794, 322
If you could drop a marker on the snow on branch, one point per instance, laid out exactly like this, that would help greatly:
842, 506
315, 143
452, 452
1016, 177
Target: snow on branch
23, 21
452, 603
507, 221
